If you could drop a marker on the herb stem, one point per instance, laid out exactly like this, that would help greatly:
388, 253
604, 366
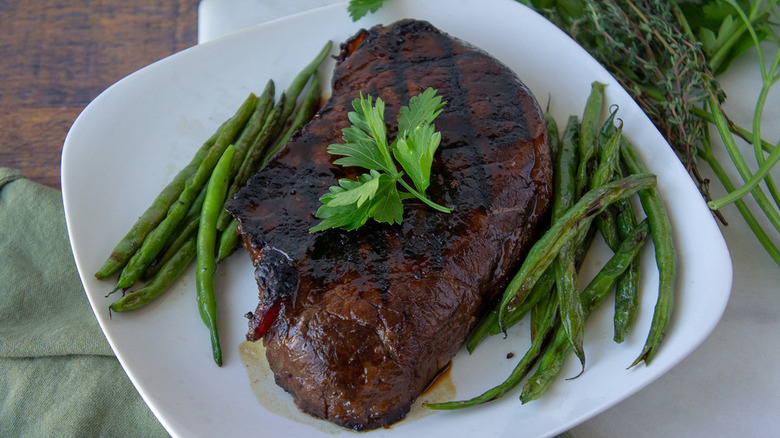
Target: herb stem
749, 185
734, 128
424, 199
739, 161
742, 207
768, 81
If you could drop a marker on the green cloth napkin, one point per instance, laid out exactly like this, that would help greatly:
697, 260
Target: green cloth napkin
58, 375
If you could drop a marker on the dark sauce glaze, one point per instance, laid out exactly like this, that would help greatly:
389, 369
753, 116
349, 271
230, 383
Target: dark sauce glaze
372, 315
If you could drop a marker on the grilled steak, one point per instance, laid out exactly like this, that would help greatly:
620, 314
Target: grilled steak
366, 319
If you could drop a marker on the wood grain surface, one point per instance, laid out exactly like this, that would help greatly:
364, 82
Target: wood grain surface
56, 56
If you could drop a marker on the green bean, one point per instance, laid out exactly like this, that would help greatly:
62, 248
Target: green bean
567, 289
576, 219
539, 312
228, 241
187, 228
609, 156
590, 120
608, 128
254, 155
484, 329
207, 235
597, 290
550, 365
665, 256
565, 170
609, 160
254, 125
489, 325
157, 238
626, 290
520, 370
297, 84
564, 196
626, 298
541, 290
302, 117
171, 270
155, 213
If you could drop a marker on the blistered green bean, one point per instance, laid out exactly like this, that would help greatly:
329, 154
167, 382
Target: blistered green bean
627, 288
597, 290
576, 219
588, 134
665, 256
566, 283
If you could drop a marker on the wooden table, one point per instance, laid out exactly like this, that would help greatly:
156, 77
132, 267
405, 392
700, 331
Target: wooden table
58, 55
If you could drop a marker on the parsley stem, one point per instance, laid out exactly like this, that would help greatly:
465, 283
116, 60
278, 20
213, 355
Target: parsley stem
422, 198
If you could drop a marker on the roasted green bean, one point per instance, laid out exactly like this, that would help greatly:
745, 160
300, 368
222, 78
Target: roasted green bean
576, 219
665, 256
597, 290
627, 288
588, 134
564, 196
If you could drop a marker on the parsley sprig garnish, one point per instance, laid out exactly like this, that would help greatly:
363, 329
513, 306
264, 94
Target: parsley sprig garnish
358, 8
376, 195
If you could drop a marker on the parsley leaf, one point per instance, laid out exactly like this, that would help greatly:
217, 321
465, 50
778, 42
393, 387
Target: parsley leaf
414, 149
358, 8
376, 195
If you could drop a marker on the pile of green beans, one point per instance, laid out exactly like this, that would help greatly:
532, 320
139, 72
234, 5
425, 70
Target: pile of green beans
596, 170
187, 221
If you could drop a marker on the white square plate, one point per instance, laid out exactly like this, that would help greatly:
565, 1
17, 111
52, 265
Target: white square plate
131, 140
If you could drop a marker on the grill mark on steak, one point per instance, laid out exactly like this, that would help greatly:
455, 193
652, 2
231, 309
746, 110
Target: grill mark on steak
378, 312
